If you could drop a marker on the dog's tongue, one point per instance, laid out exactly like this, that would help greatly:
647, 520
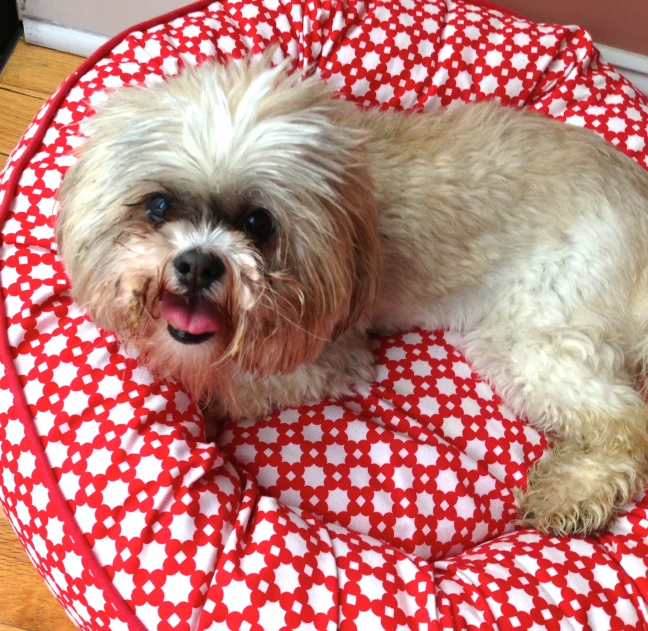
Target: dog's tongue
194, 315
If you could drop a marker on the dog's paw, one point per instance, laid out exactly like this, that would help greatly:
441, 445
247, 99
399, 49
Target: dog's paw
348, 369
360, 368
548, 510
576, 495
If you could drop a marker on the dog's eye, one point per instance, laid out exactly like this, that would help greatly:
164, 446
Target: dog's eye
258, 224
157, 206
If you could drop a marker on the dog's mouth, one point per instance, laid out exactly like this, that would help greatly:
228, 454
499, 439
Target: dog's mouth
191, 319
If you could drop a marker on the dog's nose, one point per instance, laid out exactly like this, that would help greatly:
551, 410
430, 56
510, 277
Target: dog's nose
197, 270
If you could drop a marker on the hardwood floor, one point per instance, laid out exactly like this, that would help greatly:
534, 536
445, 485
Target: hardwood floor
30, 76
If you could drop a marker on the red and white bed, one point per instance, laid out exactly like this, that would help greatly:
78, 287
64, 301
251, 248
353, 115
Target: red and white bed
393, 509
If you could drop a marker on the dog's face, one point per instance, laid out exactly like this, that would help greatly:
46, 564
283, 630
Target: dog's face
223, 217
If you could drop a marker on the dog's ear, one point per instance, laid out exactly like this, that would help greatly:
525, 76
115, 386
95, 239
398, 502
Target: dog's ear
367, 254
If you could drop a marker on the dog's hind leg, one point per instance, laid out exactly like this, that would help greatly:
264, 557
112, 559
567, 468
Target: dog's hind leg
572, 382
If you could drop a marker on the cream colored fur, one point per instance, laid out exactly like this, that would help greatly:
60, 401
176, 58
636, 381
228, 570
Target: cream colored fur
528, 235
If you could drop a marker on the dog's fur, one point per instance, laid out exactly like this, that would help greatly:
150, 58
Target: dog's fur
528, 235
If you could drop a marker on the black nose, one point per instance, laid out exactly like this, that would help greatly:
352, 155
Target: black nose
197, 270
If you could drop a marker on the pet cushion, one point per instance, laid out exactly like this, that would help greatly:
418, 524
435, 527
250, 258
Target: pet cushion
392, 509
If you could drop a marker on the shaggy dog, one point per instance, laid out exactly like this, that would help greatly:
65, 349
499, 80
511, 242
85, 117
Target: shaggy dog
244, 230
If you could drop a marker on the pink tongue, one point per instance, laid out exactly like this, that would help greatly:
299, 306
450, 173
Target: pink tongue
193, 315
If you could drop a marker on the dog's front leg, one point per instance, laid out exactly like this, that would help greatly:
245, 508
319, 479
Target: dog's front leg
343, 363
576, 389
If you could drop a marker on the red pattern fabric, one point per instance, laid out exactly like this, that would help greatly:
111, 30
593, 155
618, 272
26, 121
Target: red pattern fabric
393, 509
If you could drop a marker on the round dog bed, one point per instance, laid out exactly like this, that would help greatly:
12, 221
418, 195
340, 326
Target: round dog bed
393, 509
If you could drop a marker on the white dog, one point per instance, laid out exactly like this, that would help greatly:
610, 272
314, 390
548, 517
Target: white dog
245, 230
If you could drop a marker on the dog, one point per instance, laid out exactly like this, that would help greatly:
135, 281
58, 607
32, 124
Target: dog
244, 229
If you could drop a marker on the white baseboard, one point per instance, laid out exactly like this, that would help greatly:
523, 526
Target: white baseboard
84, 43
63, 38
631, 65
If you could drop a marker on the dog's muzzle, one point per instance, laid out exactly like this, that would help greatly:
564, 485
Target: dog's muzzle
191, 318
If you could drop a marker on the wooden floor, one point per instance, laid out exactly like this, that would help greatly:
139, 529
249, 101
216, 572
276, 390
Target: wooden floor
30, 76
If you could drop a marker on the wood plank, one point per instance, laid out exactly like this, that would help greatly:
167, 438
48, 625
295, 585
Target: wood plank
25, 601
3, 159
16, 112
37, 71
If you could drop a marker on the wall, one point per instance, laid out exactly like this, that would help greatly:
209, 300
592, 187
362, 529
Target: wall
105, 17
619, 23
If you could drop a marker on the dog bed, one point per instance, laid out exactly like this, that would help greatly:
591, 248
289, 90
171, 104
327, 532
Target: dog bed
392, 509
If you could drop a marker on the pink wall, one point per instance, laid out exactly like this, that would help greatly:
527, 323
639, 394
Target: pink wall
619, 23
